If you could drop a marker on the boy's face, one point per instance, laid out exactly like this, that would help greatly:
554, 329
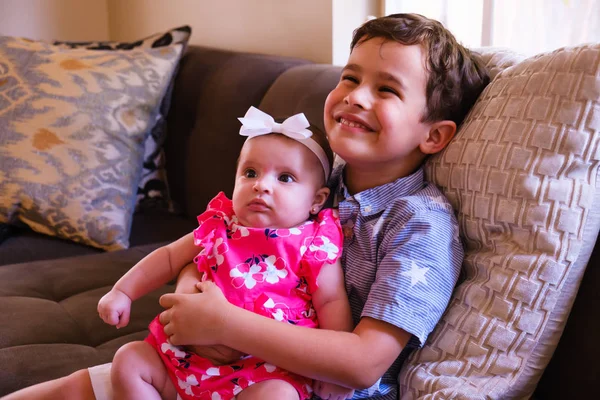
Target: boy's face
373, 116
278, 181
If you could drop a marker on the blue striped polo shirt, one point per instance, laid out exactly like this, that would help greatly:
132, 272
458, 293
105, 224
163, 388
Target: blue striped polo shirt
402, 257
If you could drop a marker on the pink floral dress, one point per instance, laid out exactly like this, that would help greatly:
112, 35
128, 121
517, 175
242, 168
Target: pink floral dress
272, 272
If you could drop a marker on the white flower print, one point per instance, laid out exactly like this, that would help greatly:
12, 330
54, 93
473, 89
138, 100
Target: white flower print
285, 232
247, 275
177, 352
274, 269
237, 388
322, 248
210, 372
269, 367
238, 231
219, 248
279, 314
186, 385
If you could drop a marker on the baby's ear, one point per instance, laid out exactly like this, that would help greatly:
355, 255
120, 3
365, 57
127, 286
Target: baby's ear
440, 134
320, 199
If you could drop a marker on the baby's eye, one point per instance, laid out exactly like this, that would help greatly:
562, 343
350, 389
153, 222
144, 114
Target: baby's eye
250, 173
286, 178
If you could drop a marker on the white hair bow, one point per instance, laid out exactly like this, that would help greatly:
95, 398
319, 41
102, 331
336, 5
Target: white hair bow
256, 123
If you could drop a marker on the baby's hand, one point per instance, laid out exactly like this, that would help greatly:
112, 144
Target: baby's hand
114, 308
332, 391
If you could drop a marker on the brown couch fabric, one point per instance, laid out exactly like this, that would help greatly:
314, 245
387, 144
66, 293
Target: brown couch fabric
50, 326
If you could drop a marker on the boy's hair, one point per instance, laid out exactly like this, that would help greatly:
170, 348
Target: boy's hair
456, 76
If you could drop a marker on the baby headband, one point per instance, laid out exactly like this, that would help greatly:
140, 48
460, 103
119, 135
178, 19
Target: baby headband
256, 123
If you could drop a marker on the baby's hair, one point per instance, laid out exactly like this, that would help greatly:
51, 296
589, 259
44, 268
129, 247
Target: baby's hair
318, 136
456, 76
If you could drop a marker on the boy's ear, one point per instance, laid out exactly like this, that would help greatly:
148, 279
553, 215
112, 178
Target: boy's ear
440, 134
320, 199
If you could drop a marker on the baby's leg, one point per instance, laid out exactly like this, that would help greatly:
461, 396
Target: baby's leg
76, 386
138, 373
269, 389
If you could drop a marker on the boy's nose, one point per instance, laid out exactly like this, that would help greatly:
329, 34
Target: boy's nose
358, 97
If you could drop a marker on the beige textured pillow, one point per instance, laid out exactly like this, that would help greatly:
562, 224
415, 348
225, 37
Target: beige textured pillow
523, 174
72, 128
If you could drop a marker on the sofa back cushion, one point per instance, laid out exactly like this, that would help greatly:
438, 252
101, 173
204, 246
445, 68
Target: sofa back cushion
213, 88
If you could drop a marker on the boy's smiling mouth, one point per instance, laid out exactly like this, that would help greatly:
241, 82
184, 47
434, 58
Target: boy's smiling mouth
353, 122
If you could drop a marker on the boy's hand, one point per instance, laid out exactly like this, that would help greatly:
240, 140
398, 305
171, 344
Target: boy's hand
114, 308
195, 319
332, 391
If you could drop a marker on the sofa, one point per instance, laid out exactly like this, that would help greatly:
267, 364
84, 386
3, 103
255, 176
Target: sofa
49, 287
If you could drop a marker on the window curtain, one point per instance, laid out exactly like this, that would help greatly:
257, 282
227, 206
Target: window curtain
529, 27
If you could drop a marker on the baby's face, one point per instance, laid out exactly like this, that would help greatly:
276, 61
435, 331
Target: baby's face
276, 184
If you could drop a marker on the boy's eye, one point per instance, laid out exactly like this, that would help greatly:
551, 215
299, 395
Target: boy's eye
250, 173
388, 89
286, 178
349, 78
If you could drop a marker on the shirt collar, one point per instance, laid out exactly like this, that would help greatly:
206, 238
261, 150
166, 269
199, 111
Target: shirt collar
374, 200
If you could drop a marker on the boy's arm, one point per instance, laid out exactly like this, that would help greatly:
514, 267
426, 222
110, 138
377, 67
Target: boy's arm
353, 359
412, 287
157, 268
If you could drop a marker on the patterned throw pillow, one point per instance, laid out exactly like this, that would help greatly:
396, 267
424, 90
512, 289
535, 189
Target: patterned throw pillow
522, 173
153, 190
73, 123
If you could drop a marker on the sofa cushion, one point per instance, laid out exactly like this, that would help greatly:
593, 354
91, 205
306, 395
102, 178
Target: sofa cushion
73, 123
24, 245
522, 173
153, 189
50, 324
212, 89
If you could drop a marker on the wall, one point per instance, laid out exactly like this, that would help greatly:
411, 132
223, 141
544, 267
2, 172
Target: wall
318, 30
347, 16
55, 19
283, 27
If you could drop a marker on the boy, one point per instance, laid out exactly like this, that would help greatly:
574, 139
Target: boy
406, 87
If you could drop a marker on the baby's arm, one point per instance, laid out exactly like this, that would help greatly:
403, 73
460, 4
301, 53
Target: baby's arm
187, 279
333, 311
152, 272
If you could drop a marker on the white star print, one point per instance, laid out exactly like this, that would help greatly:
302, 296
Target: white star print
378, 225
456, 233
416, 274
441, 200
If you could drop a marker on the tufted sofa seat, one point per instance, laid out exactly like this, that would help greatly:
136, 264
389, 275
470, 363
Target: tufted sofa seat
53, 304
